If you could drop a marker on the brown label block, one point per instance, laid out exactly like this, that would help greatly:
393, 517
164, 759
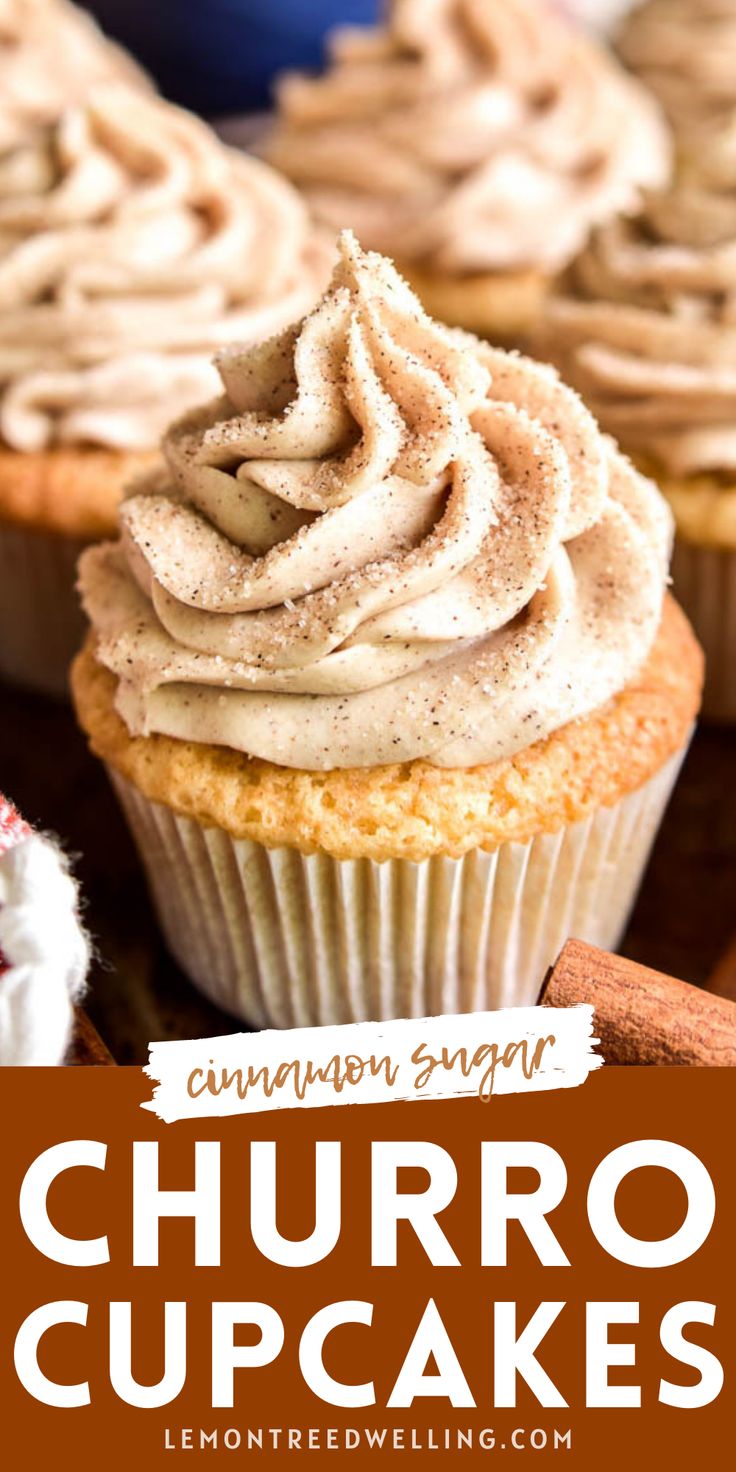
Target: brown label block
691, 1108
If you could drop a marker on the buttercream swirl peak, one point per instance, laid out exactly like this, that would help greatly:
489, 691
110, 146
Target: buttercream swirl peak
51, 53
132, 245
644, 325
466, 137
386, 541
685, 51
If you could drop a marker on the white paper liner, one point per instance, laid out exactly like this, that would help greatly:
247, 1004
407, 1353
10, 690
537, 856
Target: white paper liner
41, 622
705, 585
281, 939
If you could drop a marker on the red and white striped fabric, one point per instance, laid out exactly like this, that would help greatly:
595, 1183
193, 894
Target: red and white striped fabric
44, 953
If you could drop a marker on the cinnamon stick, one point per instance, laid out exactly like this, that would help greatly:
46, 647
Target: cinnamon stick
643, 1017
87, 1049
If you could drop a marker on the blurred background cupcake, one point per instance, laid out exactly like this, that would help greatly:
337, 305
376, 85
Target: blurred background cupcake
383, 671
476, 144
133, 244
51, 53
645, 322
685, 52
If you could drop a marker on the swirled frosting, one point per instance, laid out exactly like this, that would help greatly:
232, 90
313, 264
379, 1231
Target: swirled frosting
387, 541
469, 137
51, 53
685, 50
132, 245
645, 327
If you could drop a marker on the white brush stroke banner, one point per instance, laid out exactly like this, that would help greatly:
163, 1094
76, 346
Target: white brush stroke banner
515, 1051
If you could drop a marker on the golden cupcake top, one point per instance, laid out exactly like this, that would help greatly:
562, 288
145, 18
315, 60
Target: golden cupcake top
469, 136
51, 53
645, 327
132, 245
385, 541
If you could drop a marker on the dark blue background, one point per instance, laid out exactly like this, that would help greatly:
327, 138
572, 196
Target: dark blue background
218, 56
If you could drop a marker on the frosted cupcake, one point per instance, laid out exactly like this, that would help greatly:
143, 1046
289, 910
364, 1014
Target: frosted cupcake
51, 54
384, 674
132, 244
645, 328
685, 51
476, 144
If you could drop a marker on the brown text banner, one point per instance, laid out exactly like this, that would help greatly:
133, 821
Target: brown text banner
454, 1280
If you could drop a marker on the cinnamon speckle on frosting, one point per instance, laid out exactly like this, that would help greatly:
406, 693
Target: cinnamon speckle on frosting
457, 553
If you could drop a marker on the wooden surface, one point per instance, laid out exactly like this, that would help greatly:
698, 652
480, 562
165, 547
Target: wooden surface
642, 1017
683, 922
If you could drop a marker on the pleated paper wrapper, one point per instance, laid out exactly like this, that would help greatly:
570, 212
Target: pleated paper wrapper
705, 585
282, 939
41, 622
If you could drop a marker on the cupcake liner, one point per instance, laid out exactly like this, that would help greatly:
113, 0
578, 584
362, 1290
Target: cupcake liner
705, 584
41, 622
283, 939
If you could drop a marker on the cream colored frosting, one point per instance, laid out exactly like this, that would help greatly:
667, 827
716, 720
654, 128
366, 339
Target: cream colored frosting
470, 137
132, 245
685, 50
51, 53
645, 328
387, 541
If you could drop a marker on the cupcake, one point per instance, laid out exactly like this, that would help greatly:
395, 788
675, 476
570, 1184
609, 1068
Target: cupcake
685, 51
645, 327
51, 54
475, 144
132, 244
44, 953
384, 674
